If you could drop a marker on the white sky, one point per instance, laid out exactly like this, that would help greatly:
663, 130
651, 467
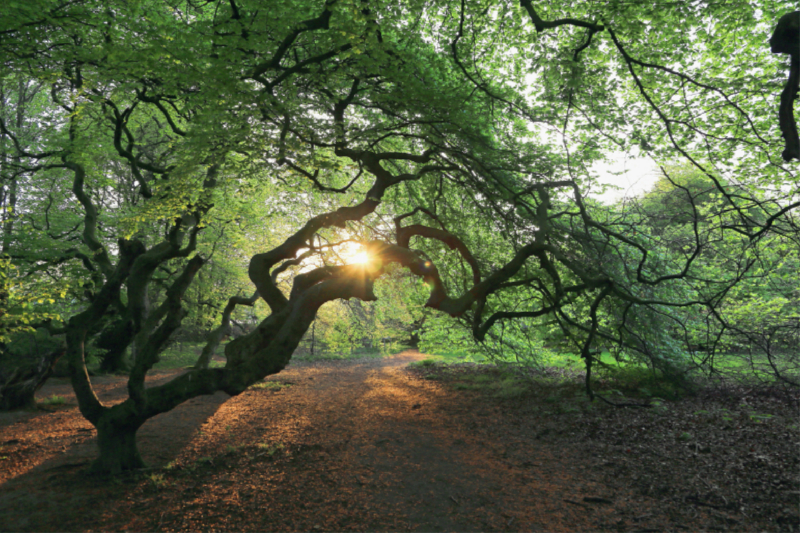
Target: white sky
636, 176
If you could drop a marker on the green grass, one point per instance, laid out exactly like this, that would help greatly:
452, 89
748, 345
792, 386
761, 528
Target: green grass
610, 377
746, 366
270, 449
504, 385
428, 362
574, 361
457, 357
184, 355
638, 381
52, 401
270, 385
157, 481
343, 356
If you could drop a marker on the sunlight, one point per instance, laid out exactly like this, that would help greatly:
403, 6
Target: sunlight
361, 258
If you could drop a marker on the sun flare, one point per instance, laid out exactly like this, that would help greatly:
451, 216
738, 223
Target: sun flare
361, 258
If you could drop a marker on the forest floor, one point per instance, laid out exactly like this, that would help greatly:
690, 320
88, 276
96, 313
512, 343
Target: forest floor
372, 444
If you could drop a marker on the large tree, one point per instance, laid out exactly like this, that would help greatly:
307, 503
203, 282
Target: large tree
456, 140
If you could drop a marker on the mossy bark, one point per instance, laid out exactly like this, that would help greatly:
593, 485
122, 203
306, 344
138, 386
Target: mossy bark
117, 443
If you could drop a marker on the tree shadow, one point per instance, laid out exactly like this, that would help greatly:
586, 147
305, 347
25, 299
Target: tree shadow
58, 490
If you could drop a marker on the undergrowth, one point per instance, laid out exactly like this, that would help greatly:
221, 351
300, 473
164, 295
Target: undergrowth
556, 383
184, 355
270, 385
340, 356
52, 401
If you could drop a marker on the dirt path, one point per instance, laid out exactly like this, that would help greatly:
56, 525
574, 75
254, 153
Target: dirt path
352, 445
367, 446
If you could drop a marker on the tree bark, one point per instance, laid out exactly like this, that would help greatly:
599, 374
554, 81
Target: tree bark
117, 443
18, 389
217, 335
786, 40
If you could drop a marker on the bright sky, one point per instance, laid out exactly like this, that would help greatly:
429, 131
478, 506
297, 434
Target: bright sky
637, 175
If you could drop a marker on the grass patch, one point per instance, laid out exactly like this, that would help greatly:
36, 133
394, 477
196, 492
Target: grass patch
52, 401
361, 353
635, 380
427, 363
230, 449
748, 367
270, 385
184, 355
157, 481
511, 388
503, 385
568, 360
457, 357
481, 379
468, 386
270, 449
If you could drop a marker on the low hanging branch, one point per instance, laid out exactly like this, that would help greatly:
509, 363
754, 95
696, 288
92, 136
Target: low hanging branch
404, 235
786, 40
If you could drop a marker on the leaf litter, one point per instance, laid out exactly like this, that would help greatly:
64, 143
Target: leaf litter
373, 445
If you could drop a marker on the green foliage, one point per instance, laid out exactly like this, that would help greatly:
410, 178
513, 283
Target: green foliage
638, 381
33, 344
424, 363
182, 355
441, 335
157, 480
53, 400
270, 385
505, 386
23, 304
270, 449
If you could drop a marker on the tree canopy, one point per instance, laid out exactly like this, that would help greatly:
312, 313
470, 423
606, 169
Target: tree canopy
457, 143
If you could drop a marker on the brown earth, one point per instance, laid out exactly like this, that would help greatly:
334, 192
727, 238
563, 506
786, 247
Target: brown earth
371, 445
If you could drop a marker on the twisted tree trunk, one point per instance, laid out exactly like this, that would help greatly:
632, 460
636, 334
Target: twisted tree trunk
19, 385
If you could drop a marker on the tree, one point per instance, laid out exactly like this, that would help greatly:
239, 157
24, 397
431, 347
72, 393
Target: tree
456, 141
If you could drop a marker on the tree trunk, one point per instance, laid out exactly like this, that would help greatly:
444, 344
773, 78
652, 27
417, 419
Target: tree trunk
216, 336
212, 343
18, 389
18, 392
115, 339
115, 361
117, 444
313, 337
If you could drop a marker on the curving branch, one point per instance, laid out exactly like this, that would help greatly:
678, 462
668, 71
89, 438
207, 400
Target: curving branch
100, 255
404, 235
262, 264
786, 40
542, 24
170, 313
156, 101
79, 326
321, 22
218, 334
